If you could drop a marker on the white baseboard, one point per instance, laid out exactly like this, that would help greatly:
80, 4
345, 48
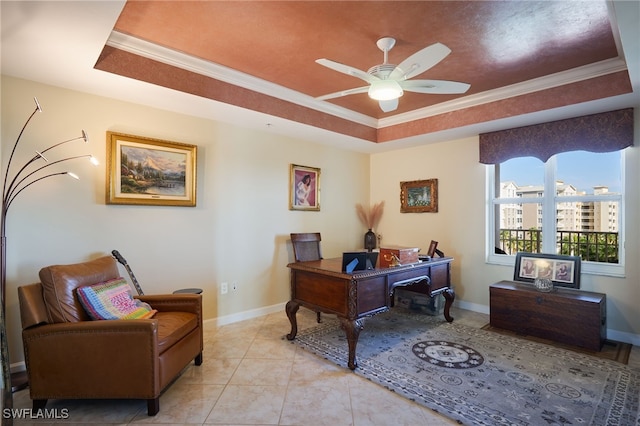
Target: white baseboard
245, 315
621, 336
17, 367
483, 309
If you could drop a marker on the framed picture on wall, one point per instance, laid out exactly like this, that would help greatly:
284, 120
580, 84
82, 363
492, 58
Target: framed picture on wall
304, 188
419, 196
150, 171
563, 271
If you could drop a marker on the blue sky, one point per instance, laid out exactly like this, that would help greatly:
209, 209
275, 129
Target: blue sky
584, 170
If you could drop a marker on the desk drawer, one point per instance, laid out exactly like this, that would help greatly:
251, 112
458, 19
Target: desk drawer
399, 278
439, 279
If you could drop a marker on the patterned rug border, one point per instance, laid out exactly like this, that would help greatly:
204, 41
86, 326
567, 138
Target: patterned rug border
458, 407
621, 355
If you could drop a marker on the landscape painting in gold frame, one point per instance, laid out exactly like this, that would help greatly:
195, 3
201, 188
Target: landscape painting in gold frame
149, 171
419, 196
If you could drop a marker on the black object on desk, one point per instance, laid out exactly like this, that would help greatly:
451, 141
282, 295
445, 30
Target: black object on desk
358, 261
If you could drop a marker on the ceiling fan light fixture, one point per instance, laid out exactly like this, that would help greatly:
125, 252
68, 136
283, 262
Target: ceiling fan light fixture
387, 82
385, 90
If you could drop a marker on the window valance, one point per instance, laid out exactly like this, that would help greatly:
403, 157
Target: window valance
605, 132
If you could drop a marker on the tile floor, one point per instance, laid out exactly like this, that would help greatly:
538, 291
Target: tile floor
251, 375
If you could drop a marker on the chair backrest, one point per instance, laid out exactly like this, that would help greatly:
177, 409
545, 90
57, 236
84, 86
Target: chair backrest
59, 284
306, 246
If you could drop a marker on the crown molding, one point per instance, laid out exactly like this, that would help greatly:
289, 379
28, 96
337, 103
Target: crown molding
196, 65
562, 78
219, 72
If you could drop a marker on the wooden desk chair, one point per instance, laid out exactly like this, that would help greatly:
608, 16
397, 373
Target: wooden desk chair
306, 246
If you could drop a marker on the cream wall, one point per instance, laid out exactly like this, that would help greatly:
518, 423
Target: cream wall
237, 233
459, 225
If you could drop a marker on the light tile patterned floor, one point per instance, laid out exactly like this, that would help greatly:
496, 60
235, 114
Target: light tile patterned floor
252, 375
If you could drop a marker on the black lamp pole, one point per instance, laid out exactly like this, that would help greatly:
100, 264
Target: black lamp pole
12, 187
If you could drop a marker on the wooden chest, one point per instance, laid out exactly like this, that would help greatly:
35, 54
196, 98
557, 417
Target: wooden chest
568, 316
405, 255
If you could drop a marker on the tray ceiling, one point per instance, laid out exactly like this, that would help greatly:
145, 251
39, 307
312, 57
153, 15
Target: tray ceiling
518, 57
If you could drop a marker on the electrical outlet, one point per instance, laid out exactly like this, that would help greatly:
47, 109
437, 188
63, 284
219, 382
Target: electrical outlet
224, 288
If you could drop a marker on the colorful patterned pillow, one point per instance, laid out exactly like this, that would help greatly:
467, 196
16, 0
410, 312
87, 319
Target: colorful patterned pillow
112, 300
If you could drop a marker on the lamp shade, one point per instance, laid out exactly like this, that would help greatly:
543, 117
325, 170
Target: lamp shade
385, 90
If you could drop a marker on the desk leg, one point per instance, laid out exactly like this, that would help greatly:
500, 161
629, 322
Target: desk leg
449, 297
291, 309
352, 329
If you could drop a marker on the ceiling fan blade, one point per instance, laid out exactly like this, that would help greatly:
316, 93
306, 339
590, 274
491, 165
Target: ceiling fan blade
438, 87
388, 106
343, 93
346, 69
420, 61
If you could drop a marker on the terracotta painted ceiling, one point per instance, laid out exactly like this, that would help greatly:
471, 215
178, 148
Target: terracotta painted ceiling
519, 57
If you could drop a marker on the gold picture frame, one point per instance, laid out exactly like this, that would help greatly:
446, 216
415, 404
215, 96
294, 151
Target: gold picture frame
419, 196
304, 188
148, 171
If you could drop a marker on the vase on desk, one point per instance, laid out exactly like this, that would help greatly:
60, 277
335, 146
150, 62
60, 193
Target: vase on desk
369, 240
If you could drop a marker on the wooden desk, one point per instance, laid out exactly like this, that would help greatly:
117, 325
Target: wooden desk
321, 286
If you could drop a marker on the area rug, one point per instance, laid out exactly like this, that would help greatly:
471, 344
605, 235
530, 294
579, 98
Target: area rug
611, 349
478, 377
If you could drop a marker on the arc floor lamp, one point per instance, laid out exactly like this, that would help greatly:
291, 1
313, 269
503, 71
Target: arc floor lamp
13, 184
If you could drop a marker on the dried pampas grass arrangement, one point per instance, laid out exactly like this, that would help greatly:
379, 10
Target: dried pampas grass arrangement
370, 217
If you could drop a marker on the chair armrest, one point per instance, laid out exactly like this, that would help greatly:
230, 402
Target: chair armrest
174, 302
118, 354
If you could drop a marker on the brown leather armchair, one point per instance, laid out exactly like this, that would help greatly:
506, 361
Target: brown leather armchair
69, 356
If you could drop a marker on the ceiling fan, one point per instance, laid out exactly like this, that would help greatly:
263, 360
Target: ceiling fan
387, 82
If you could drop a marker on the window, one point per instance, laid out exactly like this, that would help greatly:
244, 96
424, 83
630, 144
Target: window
574, 184
571, 204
